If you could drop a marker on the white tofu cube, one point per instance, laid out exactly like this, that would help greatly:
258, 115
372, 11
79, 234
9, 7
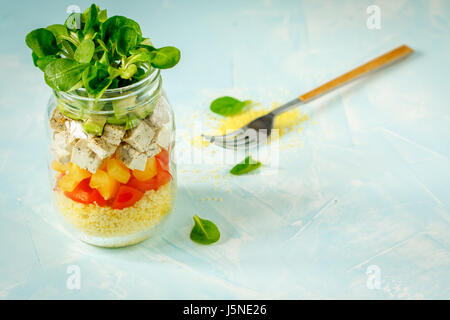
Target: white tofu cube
75, 129
58, 121
60, 139
163, 137
140, 138
60, 155
132, 158
160, 115
61, 147
153, 150
113, 134
84, 157
102, 148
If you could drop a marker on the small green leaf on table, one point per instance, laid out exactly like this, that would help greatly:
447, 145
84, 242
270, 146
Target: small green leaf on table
247, 165
228, 106
204, 231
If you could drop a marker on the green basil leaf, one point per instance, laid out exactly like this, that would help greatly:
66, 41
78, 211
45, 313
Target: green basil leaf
63, 74
42, 42
85, 51
204, 231
228, 106
165, 57
246, 166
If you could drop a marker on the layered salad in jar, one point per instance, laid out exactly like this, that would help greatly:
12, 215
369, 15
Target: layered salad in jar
115, 184
111, 127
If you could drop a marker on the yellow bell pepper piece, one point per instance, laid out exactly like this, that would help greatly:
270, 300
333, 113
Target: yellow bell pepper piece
149, 171
75, 175
118, 170
105, 184
59, 166
67, 183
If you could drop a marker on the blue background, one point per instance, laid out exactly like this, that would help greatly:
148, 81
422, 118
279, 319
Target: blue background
369, 187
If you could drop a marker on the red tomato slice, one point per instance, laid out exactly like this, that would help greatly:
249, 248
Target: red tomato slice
97, 198
143, 186
163, 159
126, 197
85, 194
163, 177
82, 193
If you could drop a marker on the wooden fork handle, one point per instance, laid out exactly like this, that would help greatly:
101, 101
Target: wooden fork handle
372, 65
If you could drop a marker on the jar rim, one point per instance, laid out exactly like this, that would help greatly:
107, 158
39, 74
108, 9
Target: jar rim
152, 76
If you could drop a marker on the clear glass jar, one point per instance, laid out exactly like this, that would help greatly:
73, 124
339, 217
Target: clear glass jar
111, 161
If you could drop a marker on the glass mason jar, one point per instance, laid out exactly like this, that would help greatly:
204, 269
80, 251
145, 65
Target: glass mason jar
111, 161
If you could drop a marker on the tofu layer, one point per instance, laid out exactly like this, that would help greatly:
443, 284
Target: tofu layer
140, 138
84, 157
132, 158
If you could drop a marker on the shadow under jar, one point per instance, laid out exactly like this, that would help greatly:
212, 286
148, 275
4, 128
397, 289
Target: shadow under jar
111, 161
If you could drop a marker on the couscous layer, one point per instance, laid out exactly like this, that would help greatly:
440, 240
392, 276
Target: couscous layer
99, 221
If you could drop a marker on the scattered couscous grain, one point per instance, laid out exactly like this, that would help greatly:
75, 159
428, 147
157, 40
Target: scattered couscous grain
285, 122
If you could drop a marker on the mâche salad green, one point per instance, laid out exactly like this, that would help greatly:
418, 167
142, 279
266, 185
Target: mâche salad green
97, 53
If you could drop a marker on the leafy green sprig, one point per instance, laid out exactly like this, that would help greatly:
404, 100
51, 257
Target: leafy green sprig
97, 53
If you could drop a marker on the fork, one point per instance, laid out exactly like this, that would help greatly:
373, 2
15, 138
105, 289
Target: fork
261, 128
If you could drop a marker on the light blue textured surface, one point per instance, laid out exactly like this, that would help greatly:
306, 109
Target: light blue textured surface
369, 187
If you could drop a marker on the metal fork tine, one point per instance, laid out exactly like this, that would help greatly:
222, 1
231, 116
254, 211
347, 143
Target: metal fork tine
243, 143
248, 145
233, 140
223, 137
